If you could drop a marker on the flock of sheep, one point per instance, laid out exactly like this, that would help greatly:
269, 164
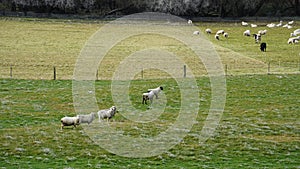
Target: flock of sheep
294, 38
106, 113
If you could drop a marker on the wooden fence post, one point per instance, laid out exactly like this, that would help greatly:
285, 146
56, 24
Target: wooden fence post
184, 71
11, 72
54, 73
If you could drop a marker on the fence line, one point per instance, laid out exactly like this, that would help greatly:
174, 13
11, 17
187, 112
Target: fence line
66, 72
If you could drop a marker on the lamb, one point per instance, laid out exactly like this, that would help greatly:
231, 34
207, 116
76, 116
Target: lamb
247, 33
86, 118
262, 32
219, 32
107, 113
244, 23
156, 91
208, 31
226, 35
253, 26
263, 47
196, 33
69, 121
217, 37
257, 38
294, 40
148, 96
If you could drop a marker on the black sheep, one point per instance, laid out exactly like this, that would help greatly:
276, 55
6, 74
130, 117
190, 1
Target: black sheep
263, 47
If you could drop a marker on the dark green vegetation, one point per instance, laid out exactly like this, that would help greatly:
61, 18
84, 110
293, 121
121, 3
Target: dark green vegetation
259, 127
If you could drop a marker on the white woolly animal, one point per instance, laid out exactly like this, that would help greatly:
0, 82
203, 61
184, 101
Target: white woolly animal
208, 31
107, 113
253, 26
148, 96
86, 118
226, 35
196, 33
219, 32
262, 32
69, 121
156, 91
291, 22
295, 33
285, 26
271, 25
280, 24
294, 40
257, 38
190, 22
217, 37
244, 23
247, 33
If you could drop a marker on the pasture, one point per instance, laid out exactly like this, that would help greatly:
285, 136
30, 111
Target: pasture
259, 127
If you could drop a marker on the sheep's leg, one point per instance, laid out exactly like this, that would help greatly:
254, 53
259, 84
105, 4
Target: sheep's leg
156, 96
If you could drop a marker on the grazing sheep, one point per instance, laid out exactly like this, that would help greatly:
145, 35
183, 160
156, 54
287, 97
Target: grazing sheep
294, 40
263, 47
285, 26
289, 27
219, 32
280, 24
217, 37
257, 38
271, 25
291, 22
247, 33
69, 121
253, 26
296, 32
208, 31
148, 96
156, 91
86, 118
196, 33
244, 23
262, 32
225, 35
190, 22
107, 113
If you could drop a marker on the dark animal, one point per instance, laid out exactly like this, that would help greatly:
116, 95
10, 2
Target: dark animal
263, 47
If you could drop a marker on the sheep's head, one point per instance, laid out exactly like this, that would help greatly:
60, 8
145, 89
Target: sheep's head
161, 88
77, 120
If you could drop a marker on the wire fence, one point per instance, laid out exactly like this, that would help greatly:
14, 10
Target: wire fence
62, 72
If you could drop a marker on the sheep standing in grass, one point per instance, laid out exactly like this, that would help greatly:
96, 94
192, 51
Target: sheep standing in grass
263, 47
294, 40
225, 35
257, 38
156, 91
148, 96
86, 118
262, 32
69, 121
190, 22
208, 31
107, 113
247, 33
217, 37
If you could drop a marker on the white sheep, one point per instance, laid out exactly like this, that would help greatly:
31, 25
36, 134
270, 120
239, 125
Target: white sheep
208, 31
257, 38
219, 32
271, 25
69, 121
226, 35
244, 23
190, 22
247, 33
196, 33
86, 118
294, 40
148, 96
262, 32
253, 26
217, 37
156, 91
107, 113
291, 22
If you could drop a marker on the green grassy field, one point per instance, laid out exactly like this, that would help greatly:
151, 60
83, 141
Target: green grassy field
260, 126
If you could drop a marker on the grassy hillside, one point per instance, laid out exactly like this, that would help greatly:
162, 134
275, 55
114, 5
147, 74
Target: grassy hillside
259, 127
33, 47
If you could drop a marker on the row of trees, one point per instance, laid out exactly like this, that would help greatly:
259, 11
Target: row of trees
222, 8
